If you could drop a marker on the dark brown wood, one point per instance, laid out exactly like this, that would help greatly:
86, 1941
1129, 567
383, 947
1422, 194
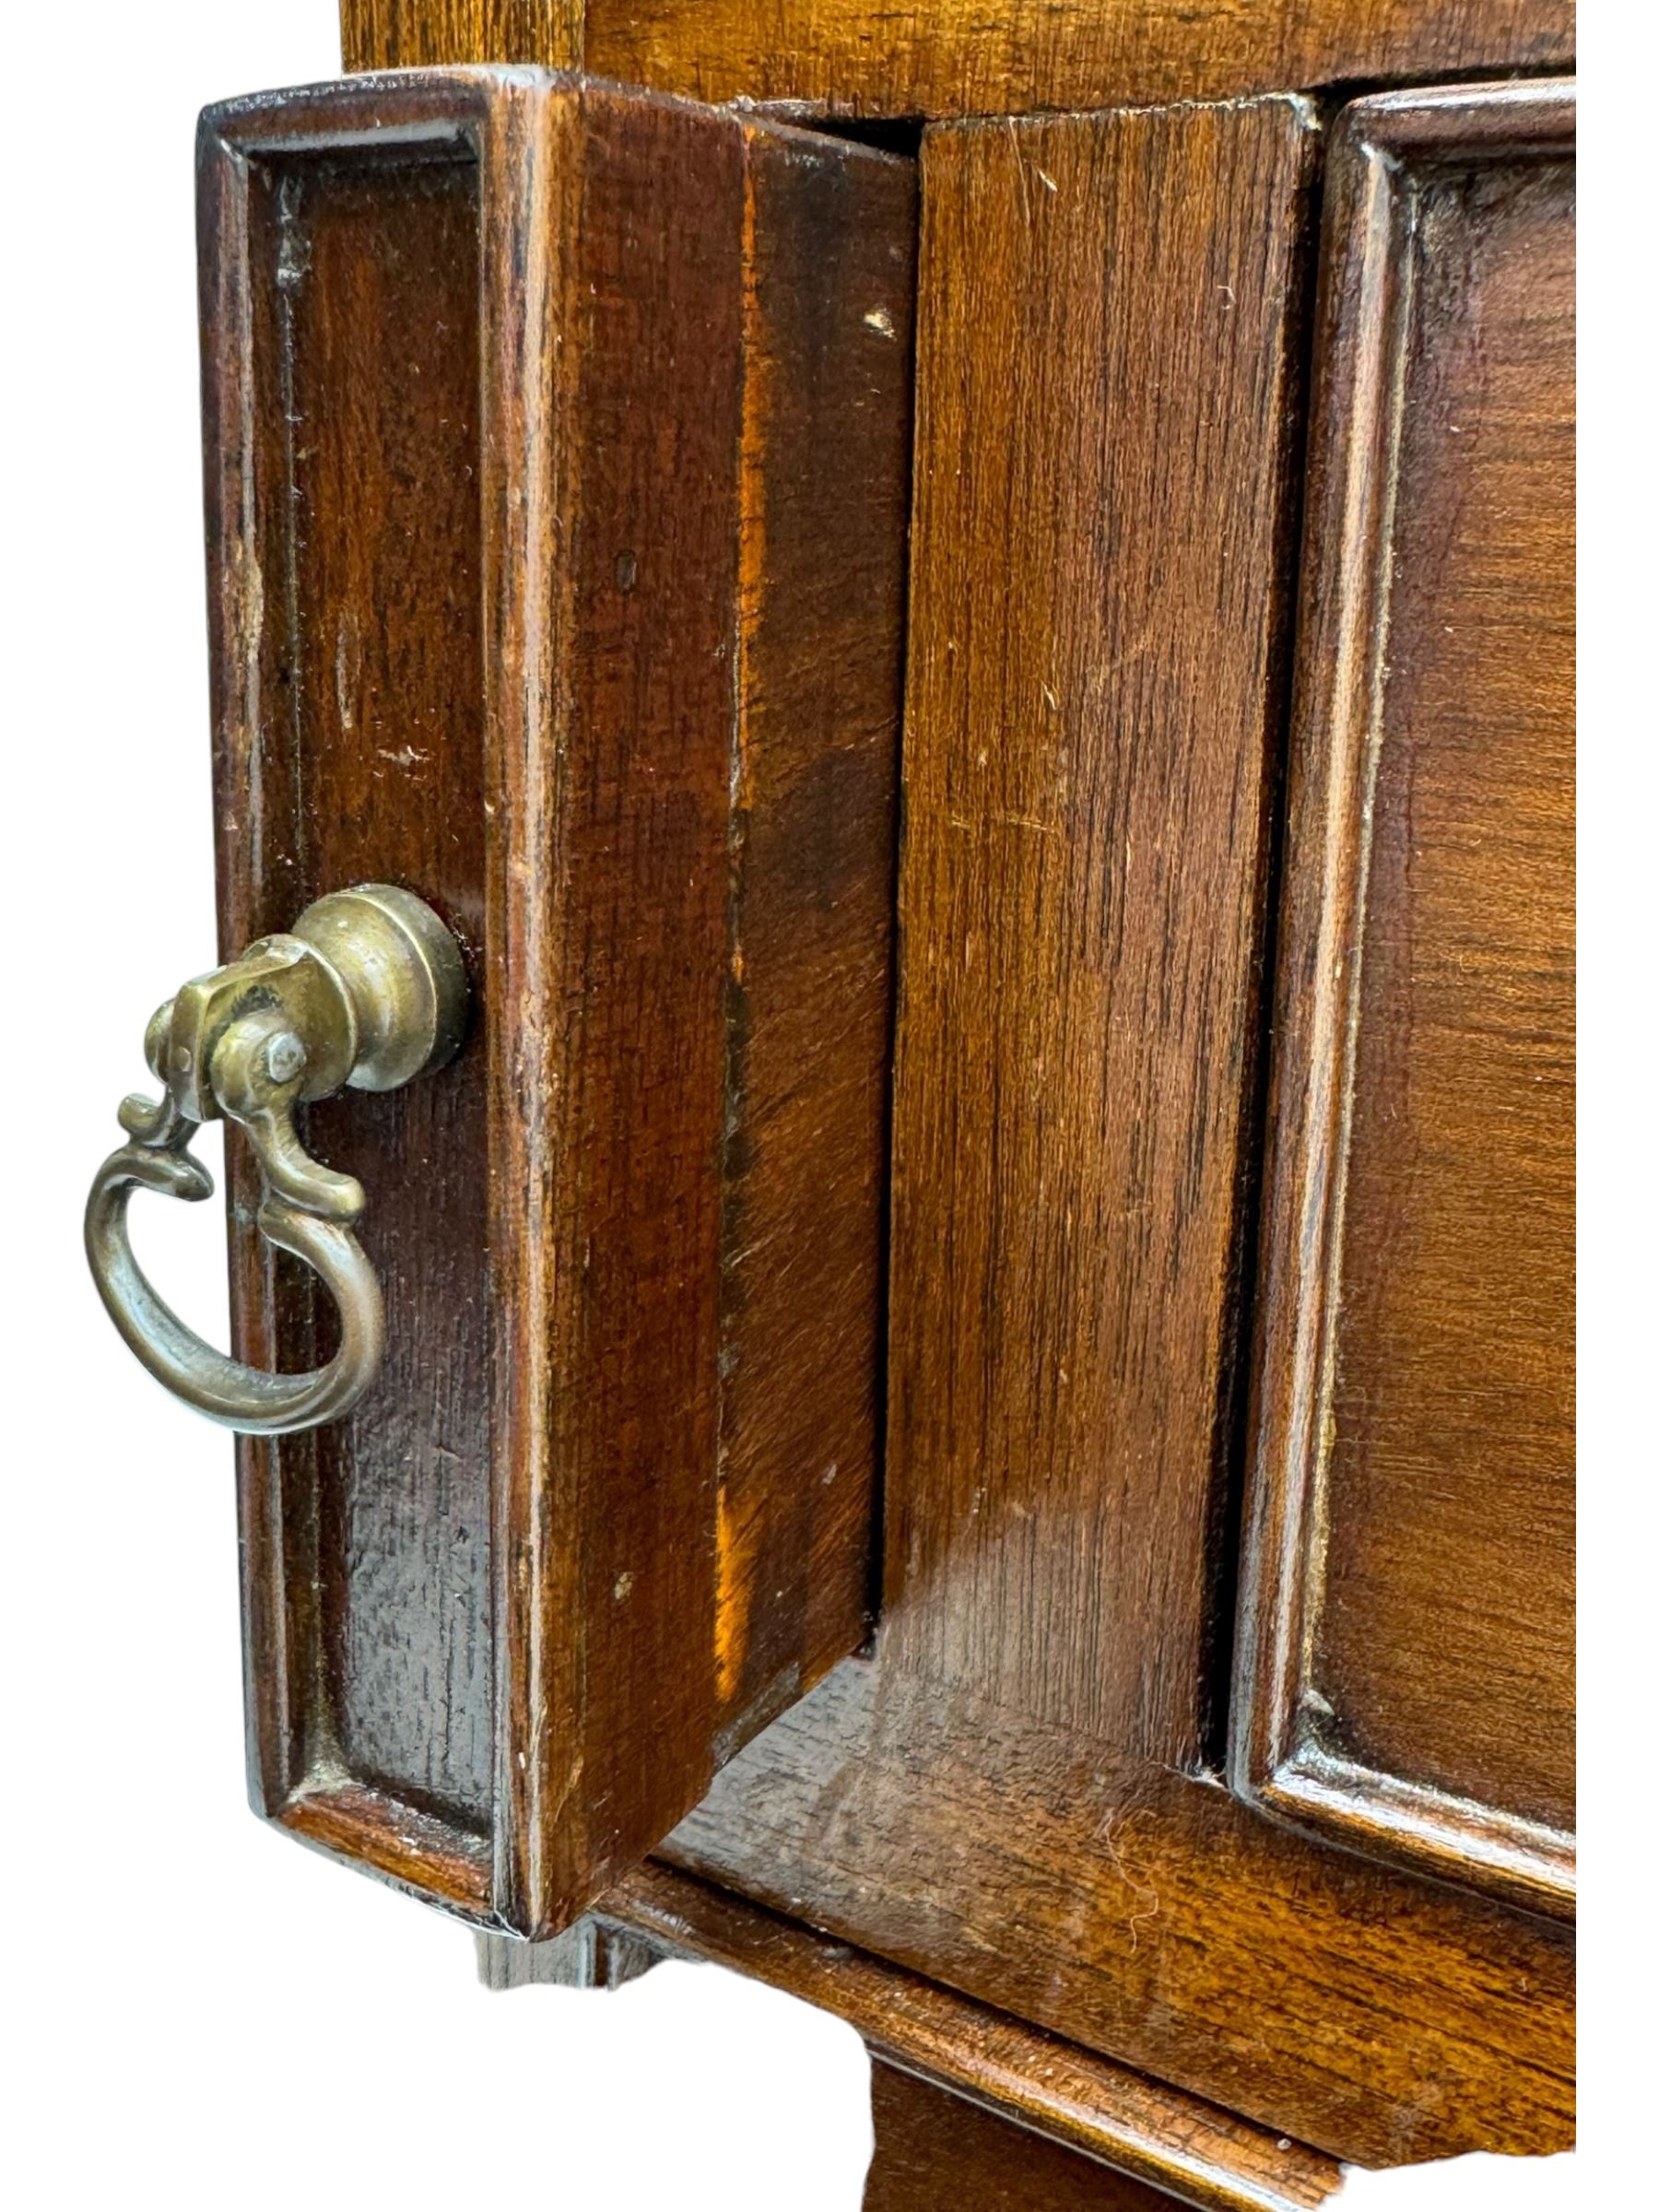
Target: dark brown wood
939, 58
523, 397
1017, 1796
932, 2148
824, 482
1159, 2136
1127, 1914
1087, 785
1406, 1676
1149, 1915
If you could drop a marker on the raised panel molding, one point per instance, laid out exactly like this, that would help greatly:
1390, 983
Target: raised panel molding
1404, 1680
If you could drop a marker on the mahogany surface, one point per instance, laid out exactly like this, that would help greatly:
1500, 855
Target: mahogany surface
558, 458
1406, 1664
1181, 1798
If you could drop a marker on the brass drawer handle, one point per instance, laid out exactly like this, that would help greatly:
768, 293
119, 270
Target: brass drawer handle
368, 990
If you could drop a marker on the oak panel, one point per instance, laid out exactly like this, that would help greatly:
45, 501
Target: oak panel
519, 404
375, 265
1406, 1660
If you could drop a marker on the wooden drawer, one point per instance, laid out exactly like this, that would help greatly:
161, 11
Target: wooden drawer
556, 457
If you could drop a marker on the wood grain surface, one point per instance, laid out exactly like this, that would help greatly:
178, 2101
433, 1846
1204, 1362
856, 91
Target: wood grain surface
1413, 1453
1171, 2142
340, 313
824, 491
388, 651
1004, 1844
421, 34
520, 403
1016, 1796
938, 58
1150, 1916
1098, 624
932, 2148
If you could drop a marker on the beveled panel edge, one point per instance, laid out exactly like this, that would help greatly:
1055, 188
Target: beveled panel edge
1379, 147
1193, 2150
1428, 1830
423, 1854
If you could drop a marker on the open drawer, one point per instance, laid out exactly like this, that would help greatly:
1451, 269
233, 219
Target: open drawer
556, 463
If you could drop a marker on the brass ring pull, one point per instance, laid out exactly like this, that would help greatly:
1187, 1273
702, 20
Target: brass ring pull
367, 991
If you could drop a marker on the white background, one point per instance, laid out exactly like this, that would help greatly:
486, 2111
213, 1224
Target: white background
196, 2011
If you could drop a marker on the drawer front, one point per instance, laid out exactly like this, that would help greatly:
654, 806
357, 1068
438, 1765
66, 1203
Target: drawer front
557, 465
1406, 1665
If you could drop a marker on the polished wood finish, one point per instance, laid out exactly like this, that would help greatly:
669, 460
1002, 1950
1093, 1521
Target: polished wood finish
824, 463
342, 335
932, 2148
1173, 2143
1147, 1915
944, 58
1019, 1795
1406, 1650
1087, 785
1200, 1813
558, 453
938, 58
